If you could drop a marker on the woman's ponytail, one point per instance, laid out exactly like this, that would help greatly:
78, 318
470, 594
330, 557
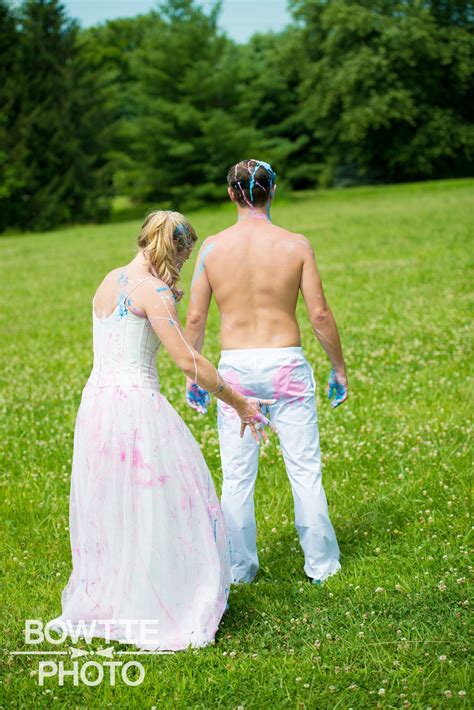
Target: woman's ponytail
163, 235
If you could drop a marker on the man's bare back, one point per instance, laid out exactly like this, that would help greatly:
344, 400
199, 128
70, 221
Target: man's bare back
254, 271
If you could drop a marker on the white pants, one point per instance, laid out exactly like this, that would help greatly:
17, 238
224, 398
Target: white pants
284, 374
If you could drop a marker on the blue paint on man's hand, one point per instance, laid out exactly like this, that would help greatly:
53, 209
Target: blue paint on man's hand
336, 389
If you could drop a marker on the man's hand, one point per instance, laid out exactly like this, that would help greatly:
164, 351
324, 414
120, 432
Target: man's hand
337, 386
196, 397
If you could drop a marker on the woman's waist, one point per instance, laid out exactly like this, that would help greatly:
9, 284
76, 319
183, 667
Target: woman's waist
101, 376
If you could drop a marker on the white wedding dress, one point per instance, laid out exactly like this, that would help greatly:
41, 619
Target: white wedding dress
148, 538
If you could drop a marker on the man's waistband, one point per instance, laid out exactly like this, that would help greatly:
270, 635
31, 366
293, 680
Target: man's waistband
264, 353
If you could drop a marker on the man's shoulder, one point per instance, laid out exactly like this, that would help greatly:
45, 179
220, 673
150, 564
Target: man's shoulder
296, 239
212, 239
209, 243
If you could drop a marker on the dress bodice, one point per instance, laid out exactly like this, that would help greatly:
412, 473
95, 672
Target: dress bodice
125, 347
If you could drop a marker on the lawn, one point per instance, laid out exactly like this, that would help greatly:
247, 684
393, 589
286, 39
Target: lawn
389, 631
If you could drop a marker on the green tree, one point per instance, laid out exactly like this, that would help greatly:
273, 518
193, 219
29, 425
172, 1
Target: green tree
56, 127
268, 81
11, 169
386, 88
108, 49
186, 130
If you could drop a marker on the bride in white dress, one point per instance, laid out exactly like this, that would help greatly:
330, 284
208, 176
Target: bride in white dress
149, 545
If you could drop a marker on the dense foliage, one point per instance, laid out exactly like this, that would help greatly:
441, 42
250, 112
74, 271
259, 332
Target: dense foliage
159, 106
53, 124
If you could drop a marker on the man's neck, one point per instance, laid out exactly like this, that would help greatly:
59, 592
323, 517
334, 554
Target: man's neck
246, 213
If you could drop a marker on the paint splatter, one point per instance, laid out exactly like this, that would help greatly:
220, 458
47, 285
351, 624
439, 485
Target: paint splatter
337, 389
233, 379
202, 262
252, 182
286, 386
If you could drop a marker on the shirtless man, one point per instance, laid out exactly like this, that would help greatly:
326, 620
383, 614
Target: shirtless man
255, 271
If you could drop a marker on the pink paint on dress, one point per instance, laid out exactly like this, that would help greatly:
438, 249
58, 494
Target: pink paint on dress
138, 462
286, 386
137, 458
122, 456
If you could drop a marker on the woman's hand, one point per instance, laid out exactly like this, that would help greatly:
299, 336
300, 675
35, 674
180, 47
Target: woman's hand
250, 413
197, 397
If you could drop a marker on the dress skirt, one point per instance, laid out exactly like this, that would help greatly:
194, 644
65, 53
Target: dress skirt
149, 546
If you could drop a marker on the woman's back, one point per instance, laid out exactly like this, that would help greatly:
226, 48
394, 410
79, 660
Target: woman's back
124, 342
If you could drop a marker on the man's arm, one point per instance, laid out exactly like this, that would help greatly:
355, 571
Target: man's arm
200, 300
196, 319
322, 321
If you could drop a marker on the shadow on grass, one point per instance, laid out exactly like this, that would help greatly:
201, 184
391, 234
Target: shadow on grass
380, 523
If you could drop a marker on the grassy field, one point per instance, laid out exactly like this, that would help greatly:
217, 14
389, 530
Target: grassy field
390, 631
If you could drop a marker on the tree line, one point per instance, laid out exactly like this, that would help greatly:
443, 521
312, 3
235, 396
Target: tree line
158, 107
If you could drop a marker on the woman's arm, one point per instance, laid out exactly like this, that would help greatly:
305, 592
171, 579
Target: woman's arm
159, 305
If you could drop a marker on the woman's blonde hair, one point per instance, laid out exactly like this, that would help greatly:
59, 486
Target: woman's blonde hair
163, 235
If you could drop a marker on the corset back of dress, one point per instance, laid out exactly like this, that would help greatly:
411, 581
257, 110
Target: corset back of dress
125, 347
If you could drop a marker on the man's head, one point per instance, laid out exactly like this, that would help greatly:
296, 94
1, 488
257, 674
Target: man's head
251, 183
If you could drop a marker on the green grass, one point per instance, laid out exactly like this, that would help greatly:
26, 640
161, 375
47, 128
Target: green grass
390, 630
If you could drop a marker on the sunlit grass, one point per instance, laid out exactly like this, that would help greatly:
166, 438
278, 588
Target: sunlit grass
390, 629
